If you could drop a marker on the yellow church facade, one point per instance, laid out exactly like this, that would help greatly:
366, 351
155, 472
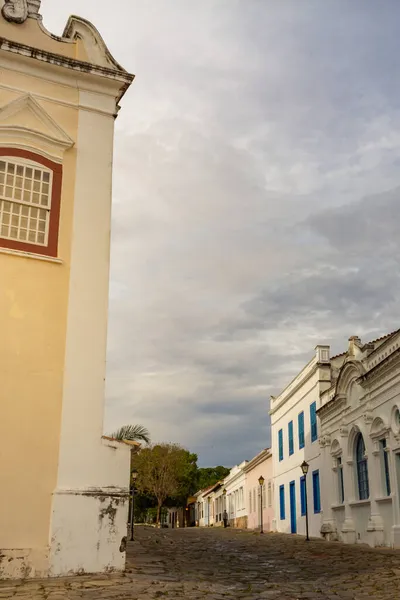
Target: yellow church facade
63, 506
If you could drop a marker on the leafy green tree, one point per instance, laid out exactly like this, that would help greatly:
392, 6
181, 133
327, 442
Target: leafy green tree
210, 476
133, 433
165, 471
188, 481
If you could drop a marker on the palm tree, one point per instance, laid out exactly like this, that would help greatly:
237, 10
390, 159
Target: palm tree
133, 433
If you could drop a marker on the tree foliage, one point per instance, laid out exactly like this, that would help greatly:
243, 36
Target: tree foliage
133, 433
165, 471
211, 475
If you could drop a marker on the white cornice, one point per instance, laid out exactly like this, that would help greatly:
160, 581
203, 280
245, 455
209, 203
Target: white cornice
58, 61
258, 460
302, 377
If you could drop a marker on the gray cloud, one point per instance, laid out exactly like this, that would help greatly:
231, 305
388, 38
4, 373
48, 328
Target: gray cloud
251, 212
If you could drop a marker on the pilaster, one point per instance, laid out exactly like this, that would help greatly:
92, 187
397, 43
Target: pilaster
348, 529
375, 527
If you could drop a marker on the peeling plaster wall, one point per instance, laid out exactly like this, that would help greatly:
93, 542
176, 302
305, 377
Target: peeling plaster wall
23, 563
100, 517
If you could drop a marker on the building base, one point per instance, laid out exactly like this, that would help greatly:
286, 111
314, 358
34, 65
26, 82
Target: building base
329, 531
24, 563
239, 523
395, 541
88, 531
375, 531
349, 535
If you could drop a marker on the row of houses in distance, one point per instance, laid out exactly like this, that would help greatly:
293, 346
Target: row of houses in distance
241, 495
340, 415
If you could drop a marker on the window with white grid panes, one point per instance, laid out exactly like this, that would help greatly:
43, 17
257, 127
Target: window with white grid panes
25, 201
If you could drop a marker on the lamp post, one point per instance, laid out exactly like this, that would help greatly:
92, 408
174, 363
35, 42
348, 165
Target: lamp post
261, 482
134, 477
304, 467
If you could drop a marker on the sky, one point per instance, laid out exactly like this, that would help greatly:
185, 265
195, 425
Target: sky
256, 204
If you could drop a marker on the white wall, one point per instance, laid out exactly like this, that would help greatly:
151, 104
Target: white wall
92, 474
234, 483
296, 398
365, 400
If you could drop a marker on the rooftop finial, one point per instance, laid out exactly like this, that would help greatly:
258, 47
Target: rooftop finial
17, 11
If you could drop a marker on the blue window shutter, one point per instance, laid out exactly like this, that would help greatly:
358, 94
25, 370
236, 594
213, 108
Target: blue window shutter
362, 469
290, 432
282, 502
303, 495
301, 430
280, 441
316, 492
313, 419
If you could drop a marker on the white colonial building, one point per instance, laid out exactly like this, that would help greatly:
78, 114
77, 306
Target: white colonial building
360, 442
294, 431
236, 505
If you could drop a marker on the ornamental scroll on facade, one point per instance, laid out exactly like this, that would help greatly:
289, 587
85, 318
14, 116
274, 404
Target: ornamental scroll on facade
17, 11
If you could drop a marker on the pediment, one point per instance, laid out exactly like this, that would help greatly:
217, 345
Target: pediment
26, 119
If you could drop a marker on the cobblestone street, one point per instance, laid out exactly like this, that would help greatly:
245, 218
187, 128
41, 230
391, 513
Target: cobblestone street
217, 564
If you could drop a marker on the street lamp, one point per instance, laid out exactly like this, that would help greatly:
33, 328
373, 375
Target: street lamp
261, 482
134, 475
304, 467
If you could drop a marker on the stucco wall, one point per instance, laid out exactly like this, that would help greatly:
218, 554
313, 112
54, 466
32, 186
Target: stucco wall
298, 397
66, 487
264, 469
367, 397
33, 317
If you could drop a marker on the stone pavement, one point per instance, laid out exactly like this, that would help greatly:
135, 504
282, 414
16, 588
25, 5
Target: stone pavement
218, 564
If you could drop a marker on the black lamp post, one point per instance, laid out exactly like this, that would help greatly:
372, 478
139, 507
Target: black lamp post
304, 467
261, 482
134, 477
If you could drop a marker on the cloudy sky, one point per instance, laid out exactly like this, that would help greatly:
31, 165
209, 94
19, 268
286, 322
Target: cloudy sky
256, 203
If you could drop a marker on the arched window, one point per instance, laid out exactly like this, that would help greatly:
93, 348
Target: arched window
362, 469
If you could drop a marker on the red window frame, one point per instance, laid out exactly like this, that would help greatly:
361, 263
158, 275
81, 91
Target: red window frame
52, 245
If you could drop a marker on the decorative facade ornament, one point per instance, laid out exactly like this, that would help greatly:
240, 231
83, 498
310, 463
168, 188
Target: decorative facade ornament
325, 441
17, 11
33, 8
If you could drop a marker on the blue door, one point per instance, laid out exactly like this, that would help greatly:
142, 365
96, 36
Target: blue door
293, 520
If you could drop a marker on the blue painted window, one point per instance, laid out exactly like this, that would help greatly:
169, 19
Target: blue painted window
282, 502
280, 441
362, 469
291, 443
303, 495
301, 430
316, 492
386, 468
340, 480
313, 419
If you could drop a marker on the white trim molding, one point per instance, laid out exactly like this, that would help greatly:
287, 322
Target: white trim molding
45, 136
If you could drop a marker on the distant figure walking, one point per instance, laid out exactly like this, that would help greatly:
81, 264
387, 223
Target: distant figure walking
225, 518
